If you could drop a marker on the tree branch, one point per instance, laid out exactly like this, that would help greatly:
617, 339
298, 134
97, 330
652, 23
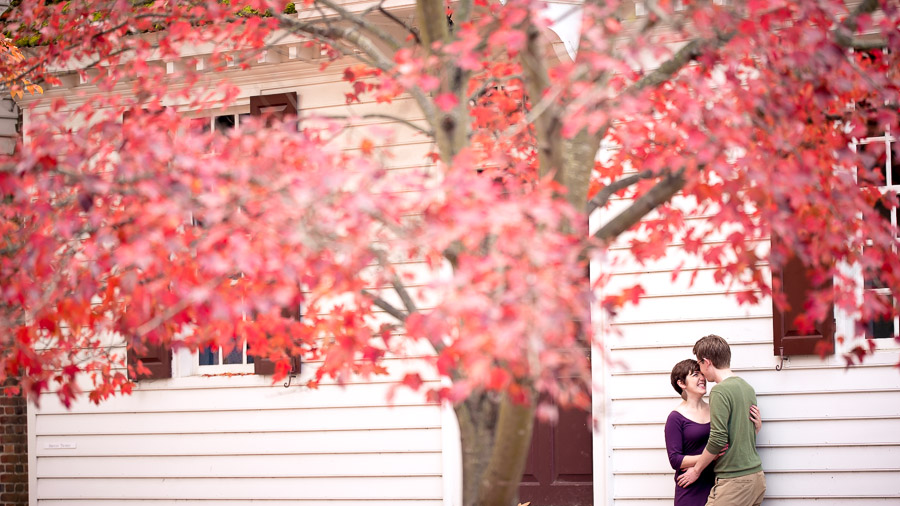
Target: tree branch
843, 35
667, 70
545, 113
659, 194
386, 306
380, 34
388, 117
396, 283
602, 196
682, 57
364, 44
390, 15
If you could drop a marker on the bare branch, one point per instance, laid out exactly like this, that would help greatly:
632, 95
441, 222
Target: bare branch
404, 294
396, 283
364, 44
386, 306
405, 122
602, 196
664, 190
390, 15
843, 35
490, 83
679, 60
382, 35
351, 35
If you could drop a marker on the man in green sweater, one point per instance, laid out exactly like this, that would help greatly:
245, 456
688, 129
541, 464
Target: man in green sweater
739, 476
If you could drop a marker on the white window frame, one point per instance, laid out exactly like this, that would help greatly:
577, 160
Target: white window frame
236, 112
844, 322
222, 368
187, 363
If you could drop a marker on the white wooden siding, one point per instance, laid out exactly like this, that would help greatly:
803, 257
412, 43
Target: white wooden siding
831, 435
238, 440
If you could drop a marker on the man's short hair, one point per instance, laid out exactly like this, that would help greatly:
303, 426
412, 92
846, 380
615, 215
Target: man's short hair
680, 373
715, 349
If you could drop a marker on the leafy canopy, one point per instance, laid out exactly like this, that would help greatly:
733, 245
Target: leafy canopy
161, 233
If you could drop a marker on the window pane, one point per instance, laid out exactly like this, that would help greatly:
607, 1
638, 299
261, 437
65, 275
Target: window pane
200, 125
884, 211
873, 159
208, 356
880, 329
224, 123
895, 163
236, 356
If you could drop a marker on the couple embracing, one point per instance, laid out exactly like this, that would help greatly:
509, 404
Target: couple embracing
723, 431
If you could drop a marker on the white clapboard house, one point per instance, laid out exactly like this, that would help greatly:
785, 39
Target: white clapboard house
197, 434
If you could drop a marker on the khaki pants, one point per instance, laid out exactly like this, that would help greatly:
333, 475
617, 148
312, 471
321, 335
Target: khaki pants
741, 491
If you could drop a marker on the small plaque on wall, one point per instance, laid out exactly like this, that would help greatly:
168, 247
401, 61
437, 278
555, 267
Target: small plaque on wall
60, 446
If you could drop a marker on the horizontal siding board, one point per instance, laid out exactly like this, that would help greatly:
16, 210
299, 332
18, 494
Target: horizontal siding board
685, 308
297, 420
675, 256
856, 431
800, 484
686, 332
861, 458
874, 403
764, 379
661, 283
415, 487
258, 466
408, 440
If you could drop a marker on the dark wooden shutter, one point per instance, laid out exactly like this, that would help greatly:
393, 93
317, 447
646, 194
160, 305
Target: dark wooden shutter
265, 366
788, 339
277, 106
155, 357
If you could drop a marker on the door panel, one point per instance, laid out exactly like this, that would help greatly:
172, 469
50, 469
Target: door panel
559, 470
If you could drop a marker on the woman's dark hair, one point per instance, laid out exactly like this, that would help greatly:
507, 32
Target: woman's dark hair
681, 371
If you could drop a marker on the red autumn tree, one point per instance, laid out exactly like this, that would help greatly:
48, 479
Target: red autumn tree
158, 232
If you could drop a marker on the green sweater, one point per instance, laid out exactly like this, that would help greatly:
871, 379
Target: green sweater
729, 406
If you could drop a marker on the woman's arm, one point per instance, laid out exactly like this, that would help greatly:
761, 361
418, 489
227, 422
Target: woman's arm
674, 437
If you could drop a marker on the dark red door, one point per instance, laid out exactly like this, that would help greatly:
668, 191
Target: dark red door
560, 466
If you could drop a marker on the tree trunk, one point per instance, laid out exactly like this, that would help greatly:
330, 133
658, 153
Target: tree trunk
495, 435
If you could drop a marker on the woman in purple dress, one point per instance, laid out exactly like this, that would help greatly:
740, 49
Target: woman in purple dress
687, 431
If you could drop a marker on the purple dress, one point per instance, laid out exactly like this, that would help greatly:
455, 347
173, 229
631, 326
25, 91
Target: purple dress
684, 437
